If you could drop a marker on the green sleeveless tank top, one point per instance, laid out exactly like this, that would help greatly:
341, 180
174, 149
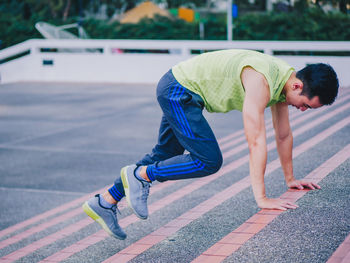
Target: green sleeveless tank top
216, 77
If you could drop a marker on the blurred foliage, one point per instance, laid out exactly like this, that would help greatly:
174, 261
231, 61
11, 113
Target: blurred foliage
17, 20
313, 24
13, 31
157, 28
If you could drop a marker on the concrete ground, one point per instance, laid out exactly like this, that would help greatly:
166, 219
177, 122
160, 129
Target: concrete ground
59, 143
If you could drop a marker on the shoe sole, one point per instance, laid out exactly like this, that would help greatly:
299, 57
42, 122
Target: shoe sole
125, 182
91, 213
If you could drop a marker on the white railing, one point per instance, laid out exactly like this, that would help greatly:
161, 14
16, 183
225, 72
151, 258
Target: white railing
144, 61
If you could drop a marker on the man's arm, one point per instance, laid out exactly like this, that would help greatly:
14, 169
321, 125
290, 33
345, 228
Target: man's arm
256, 98
284, 142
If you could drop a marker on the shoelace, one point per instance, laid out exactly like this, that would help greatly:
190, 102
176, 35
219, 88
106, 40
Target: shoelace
116, 210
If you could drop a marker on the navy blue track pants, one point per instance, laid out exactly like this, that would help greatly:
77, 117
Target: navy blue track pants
183, 127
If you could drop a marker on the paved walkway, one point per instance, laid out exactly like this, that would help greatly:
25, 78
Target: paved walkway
62, 143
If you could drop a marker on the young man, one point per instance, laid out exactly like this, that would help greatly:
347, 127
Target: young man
219, 81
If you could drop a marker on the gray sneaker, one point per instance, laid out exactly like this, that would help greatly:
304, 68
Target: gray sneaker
136, 191
106, 217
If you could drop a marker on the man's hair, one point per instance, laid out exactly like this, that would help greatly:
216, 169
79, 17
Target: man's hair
319, 80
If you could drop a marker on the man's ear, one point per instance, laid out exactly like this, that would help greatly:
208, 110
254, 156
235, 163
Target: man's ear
297, 86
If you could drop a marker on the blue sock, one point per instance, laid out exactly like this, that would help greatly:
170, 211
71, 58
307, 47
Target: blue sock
104, 203
138, 175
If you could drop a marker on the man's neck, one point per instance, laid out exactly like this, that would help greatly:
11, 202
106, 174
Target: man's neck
289, 84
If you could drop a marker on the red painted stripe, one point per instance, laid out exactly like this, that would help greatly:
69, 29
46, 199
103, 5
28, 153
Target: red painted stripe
233, 241
231, 136
47, 214
342, 254
38, 228
138, 247
47, 240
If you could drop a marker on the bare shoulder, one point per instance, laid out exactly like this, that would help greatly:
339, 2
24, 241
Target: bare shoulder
250, 76
256, 86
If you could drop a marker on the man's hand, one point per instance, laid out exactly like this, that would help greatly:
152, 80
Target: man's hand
296, 184
279, 204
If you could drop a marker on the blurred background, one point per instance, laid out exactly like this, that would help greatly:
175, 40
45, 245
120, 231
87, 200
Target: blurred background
178, 19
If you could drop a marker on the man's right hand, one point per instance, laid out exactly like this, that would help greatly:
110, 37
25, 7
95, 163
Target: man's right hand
280, 204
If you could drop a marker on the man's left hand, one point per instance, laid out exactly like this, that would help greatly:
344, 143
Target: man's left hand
296, 184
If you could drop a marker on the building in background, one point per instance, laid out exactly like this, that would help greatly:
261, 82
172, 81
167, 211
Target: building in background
144, 10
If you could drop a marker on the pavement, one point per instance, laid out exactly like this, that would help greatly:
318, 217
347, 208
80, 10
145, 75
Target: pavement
60, 143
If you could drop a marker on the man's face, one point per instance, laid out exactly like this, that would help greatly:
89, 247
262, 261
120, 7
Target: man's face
302, 102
